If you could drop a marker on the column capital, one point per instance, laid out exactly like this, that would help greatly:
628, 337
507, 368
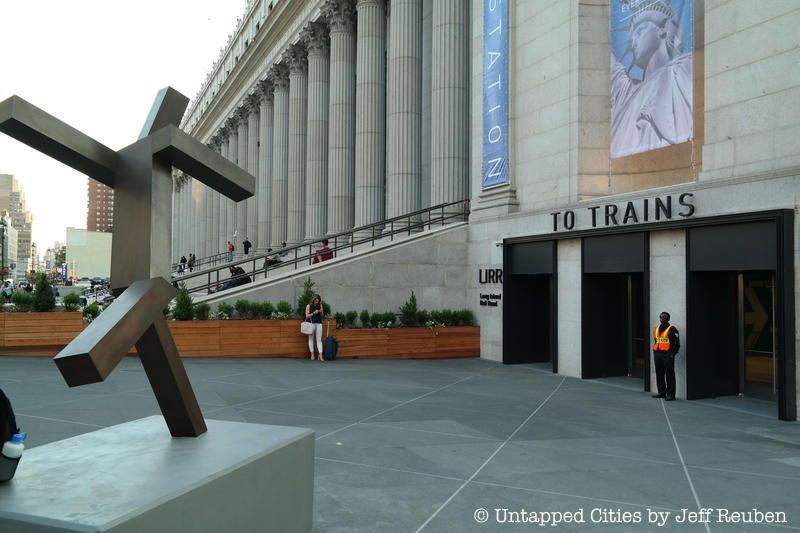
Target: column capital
295, 56
265, 88
316, 38
223, 133
242, 113
279, 76
214, 142
232, 123
360, 3
340, 15
253, 101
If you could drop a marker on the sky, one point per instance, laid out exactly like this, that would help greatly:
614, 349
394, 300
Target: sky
97, 65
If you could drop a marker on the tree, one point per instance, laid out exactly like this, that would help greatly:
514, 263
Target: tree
183, 305
61, 256
43, 297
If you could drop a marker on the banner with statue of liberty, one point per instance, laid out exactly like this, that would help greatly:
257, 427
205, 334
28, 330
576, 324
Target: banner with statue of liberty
651, 75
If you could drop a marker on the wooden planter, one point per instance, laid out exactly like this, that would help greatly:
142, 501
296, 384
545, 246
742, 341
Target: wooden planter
38, 333
48, 333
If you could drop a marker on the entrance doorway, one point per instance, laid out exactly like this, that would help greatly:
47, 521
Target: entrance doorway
733, 335
614, 325
614, 307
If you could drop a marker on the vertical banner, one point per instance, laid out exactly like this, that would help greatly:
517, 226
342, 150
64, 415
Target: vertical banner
651, 75
495, 93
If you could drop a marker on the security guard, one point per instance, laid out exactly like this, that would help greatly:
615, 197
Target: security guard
666, 344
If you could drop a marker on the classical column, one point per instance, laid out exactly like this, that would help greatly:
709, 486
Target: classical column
342, 131
241, 207
371, 117
253, 104
215, 222
405, 105
222, 230
425, 174
298, 102
449, 102
315, 36
280, 155
201, 220
233, 154
264, 188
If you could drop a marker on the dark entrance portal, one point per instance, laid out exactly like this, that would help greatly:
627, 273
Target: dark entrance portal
529, 306
615, 326
614, 307
733, 340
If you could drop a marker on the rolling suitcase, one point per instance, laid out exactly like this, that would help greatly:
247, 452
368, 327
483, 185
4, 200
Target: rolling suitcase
331, 345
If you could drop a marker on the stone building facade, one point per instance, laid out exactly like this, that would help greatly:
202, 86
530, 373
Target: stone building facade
572, 253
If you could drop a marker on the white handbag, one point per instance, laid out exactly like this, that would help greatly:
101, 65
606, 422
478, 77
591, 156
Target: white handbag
306, 328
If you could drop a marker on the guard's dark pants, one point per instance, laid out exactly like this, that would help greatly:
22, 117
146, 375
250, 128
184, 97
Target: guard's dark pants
665, 373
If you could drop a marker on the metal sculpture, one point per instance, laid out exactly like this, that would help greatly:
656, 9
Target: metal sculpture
141, 176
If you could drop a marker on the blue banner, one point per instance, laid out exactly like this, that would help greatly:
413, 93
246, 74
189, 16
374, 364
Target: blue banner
652, 72
495, 93
64, 271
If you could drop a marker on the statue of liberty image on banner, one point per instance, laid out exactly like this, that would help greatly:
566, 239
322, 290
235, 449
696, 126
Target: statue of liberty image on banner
651, 75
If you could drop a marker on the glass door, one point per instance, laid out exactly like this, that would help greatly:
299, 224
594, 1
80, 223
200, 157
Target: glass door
758, 361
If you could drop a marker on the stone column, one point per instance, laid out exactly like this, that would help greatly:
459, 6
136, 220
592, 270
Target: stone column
222, 230
425, 176
449, 102
253, 104
405, 104
215, 144
264, 187
342, 131
371, 116
201, 220
280, 155
298, 115
233, 154
315, 37
241, 207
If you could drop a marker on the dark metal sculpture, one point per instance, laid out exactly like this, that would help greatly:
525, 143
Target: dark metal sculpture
141, 176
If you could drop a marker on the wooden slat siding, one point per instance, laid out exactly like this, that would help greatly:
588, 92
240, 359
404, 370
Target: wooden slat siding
196, 338
41, 334
47, 333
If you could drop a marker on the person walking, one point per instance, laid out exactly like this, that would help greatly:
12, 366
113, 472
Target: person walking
191, 261
314, 312
666, 343
230, 251
182, 265
246, 244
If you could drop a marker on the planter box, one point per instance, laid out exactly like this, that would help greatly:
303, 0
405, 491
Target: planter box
47, 333
38, 333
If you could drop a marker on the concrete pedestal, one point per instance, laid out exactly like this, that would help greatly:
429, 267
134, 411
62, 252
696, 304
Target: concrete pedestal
135, 477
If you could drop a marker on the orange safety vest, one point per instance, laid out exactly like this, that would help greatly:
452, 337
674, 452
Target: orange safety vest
661, 343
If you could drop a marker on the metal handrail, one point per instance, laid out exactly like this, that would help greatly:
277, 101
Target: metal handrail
296, 254
212, 259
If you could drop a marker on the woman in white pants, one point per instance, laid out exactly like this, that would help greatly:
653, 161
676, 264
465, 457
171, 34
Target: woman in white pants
314, 312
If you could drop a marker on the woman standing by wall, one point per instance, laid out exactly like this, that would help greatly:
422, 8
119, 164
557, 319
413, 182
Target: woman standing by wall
314, 312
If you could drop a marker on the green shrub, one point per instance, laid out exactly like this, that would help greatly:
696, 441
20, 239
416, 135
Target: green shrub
365, 319
265, 310
183, 304
245, 308
201, 311
464, 317
383, 320
408, 311
423, 317
224, 310
326, 308
72, 301
350, 318
285, 308
340, 319
43, 297
91, 311
22, 300
305, 297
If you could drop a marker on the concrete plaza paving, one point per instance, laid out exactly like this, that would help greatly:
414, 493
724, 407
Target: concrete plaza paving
408, 446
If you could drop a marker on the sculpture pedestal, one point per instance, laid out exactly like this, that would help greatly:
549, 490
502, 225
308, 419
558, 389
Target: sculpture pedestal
135, 477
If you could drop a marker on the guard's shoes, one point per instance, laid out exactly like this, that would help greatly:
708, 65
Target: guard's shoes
670, 398
658, 396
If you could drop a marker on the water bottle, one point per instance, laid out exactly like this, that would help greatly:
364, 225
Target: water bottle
12, 452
